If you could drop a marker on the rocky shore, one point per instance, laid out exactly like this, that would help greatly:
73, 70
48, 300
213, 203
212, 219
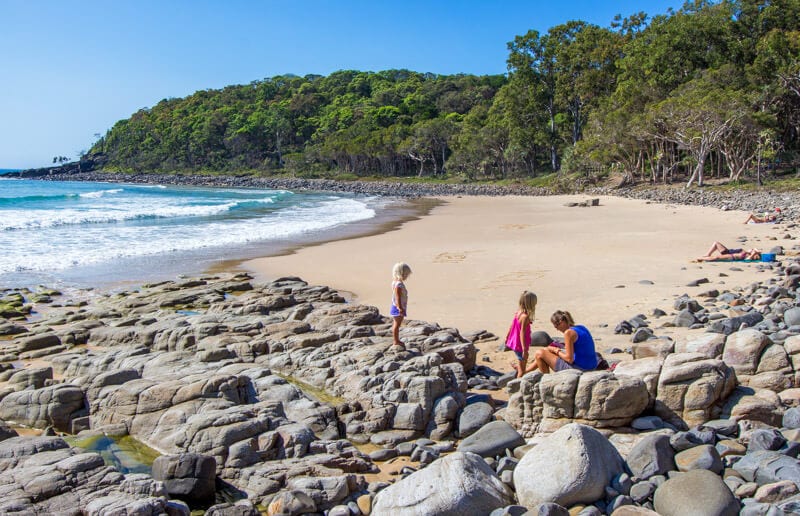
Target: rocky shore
748, 200
283, 398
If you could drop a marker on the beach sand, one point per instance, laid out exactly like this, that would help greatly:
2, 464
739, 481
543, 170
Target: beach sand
473, 256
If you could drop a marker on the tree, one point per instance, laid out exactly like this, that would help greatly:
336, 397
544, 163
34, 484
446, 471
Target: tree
697, 117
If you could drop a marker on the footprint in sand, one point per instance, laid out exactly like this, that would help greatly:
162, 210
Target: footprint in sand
515, 226
516, 278
455, 257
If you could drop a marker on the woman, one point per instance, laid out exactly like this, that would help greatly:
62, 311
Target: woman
718, 252
578, 351
767, 217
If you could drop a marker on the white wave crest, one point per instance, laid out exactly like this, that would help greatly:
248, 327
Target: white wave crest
55, 250
100, 193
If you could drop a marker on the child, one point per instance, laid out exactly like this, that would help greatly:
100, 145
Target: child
518, 338
400, 272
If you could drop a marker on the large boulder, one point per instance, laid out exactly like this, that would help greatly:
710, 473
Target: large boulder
596, 398
187, 476
695, 493
571, 466
691, 388
709, 345
743, 350
56, 406
647, 369
749, 404
460, 484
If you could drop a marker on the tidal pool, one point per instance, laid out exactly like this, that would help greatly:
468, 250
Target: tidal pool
123, 452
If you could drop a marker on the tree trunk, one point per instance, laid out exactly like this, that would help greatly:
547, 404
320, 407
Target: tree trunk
698, 171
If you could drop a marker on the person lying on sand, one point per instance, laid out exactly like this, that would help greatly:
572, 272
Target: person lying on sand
719, 253
766, 217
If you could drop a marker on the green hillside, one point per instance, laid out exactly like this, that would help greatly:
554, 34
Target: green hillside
712, 90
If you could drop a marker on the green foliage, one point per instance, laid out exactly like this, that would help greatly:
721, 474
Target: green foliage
656, 98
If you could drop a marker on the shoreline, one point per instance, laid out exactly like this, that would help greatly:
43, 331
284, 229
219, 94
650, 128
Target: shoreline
412, 209
124, 273
730, 199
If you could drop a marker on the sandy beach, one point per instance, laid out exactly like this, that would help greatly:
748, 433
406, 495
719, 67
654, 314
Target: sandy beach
473, 256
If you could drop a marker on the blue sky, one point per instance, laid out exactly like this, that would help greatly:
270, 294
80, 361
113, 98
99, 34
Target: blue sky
69, 69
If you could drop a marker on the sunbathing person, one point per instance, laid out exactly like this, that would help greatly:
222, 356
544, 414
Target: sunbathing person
767, 217
719, 253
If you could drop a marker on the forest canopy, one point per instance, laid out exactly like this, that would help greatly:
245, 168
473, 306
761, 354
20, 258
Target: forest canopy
711, 89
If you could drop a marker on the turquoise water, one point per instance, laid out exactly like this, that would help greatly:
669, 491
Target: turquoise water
89, 233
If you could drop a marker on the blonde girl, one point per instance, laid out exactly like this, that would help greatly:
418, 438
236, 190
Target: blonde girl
518, 338
399, 310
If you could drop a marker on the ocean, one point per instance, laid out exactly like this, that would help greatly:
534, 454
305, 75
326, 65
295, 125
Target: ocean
86, 234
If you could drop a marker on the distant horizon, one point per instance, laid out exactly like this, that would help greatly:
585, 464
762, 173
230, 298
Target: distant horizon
80, 66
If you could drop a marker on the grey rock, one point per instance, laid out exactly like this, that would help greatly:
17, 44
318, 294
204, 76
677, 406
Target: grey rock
703, 456
548, 509
291, 503
44, 340
187, 476
510, 510
587, 464
642, 491
792, 316
473, 417
641, 335
645, 423
494, 438
619, 502
540, 338
622, 483
383, 454
765, 467
765, 439
732, 324
791, 418
55, 406
726, 427
684, 319
695, 493
6, 432
458, 484
652, 455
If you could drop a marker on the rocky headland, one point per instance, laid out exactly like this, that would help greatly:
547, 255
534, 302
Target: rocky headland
286, 399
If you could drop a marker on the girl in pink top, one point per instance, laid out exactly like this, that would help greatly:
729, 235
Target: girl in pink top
518, 338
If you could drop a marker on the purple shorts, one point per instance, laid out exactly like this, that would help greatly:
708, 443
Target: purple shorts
563, 365
395, 312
